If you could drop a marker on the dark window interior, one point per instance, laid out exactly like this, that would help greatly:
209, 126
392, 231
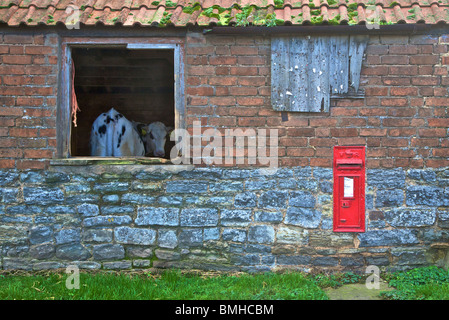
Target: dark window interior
137, 83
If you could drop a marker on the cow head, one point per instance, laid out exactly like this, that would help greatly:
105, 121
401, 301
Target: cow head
155, 136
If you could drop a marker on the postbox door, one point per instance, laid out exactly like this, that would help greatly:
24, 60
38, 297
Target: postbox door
349, 189
349, 207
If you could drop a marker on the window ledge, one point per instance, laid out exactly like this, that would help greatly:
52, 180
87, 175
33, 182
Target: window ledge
84, 161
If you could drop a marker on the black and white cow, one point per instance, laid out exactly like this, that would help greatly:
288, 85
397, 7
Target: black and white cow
113, 135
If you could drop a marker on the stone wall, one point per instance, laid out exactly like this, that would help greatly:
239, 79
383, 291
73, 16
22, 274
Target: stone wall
135, 216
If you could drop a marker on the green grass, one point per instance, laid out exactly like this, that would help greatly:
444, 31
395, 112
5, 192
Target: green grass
169, 285
426, 283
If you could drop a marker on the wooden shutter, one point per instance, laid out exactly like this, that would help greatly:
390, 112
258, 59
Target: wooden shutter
305, 71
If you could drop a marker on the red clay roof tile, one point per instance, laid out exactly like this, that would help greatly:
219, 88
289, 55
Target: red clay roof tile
224, 12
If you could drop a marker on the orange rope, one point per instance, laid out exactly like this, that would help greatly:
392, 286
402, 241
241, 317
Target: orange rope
74, 104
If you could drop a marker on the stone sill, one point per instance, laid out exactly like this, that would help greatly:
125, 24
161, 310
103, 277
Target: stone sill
85, 161
93, 166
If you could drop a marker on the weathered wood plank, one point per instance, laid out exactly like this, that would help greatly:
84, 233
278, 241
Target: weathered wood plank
357, 46
279, 73
339, 64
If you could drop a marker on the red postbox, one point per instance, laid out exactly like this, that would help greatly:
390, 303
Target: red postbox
349, 189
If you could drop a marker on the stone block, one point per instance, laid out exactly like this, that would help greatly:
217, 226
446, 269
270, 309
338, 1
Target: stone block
97, 235
110, 187
167, 239
389, 198
72, 252
157, 216
42, 251
211, 234
109, 220
137, 198
68, 235
199, 217
108, 252
303, 217
292, 235
234, 235
261, 234
397, 237
190, 238
138, 236
268, 216
245, 200
42, 195
304, 199
88, 210
187, 186
424, 195
238, 217
273, 199
410, 217
386, 178
293, 260
41, 234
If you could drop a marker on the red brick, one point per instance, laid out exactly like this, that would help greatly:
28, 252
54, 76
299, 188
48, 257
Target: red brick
222, 60
344, 132
7, 163
243, 91
244, 71
394, 142
323, 122
436, 132
222, 81
372, 132
252, 81
16, 59
32, 164
425, 81
403, 91
394, 102
200, 91
395, 122
321, 162
441, 152
437, 163
38, 153
424, 59
401, 153
402, 132
22, 132
438, 122
437, 102
300, 132
222, 101
424, 142
394, 59
17, 39
250, 101
403, 70
293, 142
376, 91
245, 51
42, 50
251, 121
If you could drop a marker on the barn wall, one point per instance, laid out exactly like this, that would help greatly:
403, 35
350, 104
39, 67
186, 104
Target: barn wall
229, 218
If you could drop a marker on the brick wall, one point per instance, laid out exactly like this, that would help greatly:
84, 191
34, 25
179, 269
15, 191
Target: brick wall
28, 91
402, 118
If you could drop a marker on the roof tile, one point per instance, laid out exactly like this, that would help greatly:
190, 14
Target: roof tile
224, 12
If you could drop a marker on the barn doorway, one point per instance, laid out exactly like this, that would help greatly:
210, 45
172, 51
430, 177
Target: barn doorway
137, 83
